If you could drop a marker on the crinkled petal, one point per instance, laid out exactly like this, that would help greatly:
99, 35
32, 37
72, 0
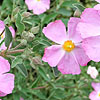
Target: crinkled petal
90, 23
53, 55
56, 31
93, 96
69, 65
30, 4
98, 1
45, 5
38, 7
4, 65
6, 83
2, 26
2, 94
81, 56
91, 46
73, 34
97, 7
96, 86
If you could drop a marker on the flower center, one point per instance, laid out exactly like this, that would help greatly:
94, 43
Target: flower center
99, 94
38, 0
2, 36
68, 45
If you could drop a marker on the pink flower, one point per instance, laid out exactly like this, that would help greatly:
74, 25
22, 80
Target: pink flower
6, 79
95, 95
89, 27
67, 53
92, 71
2, 27
38, 6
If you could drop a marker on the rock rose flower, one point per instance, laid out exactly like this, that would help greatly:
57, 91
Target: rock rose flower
89, 27
2, 27
38, 6
95, 95
6, 79
92, 71
67, 53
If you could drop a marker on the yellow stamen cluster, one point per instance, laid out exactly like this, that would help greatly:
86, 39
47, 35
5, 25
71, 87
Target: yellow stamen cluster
2, 36
68, 46
99, 94
38, 0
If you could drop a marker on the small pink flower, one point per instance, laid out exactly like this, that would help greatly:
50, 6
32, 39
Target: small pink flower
6, 79
67, 53
92, 71
95, 95
89, 27
2, 27
38, 6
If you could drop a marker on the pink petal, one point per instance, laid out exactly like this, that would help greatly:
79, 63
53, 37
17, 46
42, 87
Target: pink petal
30, 3
56, 31
4, 65
98, 1
38, 7
81, 56
93, 96
2, 94
53, 55
72, 32
2, 26
96, 86
91, 46
6, 83
90, 23
97, 7
69, 65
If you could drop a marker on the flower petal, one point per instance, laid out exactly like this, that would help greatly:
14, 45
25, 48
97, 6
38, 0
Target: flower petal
6, 83
35, 6
56, 31
37, 9
90, 23
2, 26
97, 7
4, 65
96, 86
81, 56
93, 96
73, 34
98, 1
69, 65
91, 46
53, 55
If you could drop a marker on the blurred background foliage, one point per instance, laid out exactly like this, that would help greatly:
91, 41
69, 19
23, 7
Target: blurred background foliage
36, 80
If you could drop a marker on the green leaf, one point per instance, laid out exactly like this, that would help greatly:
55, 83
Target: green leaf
20, 26
79, 6
8, 36
43, 74
22, 69
17, 60
49, 17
